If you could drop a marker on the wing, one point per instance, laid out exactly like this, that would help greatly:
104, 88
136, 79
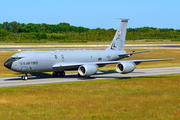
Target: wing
76, 65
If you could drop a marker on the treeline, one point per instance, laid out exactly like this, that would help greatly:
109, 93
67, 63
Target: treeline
64, 32
152, 33
16, 27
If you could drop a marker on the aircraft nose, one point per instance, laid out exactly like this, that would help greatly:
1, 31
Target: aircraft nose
8, 63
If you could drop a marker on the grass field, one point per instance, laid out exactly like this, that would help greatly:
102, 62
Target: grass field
154, 97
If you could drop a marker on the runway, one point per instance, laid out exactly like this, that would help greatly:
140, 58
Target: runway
46, 79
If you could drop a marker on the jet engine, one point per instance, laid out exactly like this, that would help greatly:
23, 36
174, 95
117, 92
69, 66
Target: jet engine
125, 67
87, 70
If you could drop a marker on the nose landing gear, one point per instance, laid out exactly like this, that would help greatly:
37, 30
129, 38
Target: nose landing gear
24, 77
58, 74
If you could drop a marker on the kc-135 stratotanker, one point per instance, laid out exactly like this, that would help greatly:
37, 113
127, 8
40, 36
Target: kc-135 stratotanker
85, 61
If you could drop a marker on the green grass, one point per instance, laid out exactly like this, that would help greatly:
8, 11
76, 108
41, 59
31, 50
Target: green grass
155, 97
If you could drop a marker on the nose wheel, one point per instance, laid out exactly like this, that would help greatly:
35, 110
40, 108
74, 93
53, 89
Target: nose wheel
58, 74
24, 77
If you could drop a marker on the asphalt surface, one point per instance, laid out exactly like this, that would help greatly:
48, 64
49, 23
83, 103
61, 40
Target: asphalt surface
46, 79
55, 48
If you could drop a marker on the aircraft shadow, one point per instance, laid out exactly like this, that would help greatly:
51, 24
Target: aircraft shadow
31, 77
97, 75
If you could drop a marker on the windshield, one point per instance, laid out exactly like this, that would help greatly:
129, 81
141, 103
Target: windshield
15, 58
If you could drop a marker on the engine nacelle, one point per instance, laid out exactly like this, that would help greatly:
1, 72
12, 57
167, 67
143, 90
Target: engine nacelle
87, 70
125, 67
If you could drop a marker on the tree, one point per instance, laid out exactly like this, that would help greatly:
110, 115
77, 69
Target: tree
151, 32
43, 36
22, 25
43, 29
64, 24
38, 36
144, 29
6, 26
15, 26
157, 32
19, 31
3, 33
28, 28
1, 26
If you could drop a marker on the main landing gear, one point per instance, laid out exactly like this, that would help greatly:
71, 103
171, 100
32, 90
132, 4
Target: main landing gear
58, 74
24, 77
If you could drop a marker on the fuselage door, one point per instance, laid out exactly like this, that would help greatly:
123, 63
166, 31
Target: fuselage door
24, 68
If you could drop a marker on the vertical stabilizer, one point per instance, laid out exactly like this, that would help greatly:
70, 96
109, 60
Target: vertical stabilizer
119, 38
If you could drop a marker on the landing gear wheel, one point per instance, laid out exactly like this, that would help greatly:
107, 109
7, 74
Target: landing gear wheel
62, 73
25, 78
59, 74
54, 74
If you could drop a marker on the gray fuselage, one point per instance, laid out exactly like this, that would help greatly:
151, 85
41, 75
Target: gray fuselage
42, 61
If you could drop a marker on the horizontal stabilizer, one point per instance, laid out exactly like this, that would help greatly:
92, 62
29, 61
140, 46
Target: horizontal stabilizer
134, 53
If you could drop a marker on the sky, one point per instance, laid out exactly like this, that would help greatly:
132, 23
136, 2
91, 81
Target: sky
93, 13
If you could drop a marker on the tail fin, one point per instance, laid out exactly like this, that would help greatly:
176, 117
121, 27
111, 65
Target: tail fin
119, 38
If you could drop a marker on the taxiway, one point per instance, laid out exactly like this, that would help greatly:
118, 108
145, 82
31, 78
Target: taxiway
46, 79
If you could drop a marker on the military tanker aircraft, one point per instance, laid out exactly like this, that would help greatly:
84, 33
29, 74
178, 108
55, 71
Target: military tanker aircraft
85, 61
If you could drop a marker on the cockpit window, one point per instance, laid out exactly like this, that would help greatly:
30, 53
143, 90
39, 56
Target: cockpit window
15, 58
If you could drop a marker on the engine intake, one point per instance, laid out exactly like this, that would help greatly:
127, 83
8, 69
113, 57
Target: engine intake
87, 70
125, 67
